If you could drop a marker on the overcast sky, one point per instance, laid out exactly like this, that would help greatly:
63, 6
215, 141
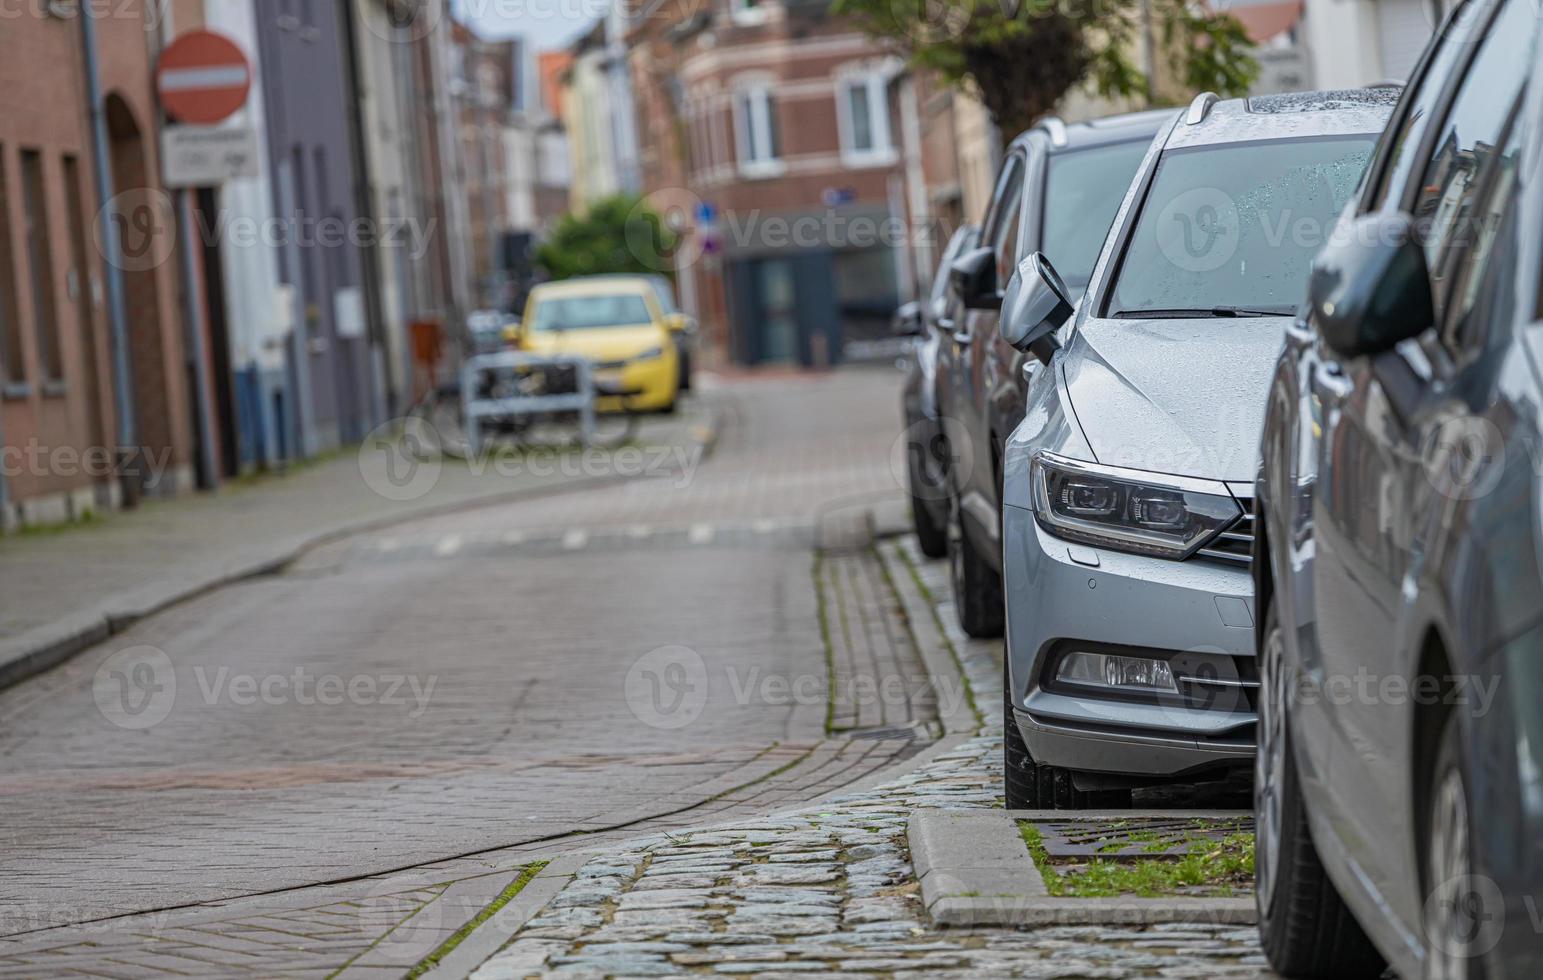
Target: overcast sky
547, 23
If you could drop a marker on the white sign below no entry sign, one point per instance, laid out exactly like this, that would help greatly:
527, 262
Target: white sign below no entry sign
202, 156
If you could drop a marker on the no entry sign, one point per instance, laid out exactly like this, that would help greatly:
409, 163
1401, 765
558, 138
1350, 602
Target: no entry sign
202, 78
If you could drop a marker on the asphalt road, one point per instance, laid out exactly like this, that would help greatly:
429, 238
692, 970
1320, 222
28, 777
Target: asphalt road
451, 685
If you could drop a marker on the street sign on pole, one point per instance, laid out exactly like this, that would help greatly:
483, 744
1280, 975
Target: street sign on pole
202, 156
202, 78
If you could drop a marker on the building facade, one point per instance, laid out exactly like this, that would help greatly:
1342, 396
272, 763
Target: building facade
781, 127
330, 393
59, 426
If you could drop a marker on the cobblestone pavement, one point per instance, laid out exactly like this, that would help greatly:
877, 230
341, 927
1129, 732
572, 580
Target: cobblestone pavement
828, 890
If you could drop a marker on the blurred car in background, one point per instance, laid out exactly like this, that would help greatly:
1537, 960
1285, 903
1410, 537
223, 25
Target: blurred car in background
1057, 192
928, 321
1398, 783
1127, 497
618, 323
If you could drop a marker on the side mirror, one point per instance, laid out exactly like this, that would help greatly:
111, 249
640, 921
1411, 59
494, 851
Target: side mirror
1371, 289
973, 278
1034, 307
679, 322
907, 321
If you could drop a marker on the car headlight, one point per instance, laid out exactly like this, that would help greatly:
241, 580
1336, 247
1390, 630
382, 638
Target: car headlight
650, 354
1129, 510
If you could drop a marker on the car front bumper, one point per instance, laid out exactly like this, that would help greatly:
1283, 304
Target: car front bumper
646, 385
1063, 596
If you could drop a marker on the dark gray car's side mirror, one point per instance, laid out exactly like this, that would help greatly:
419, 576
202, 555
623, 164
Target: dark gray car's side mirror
973, 278
1034, 307
1371, 288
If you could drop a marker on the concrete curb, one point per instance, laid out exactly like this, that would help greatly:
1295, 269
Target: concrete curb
936, 651
484, 942
975, 870
45, 647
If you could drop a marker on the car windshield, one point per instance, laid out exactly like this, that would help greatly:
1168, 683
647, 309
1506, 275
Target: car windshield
1082, 192
588, 312
1231, 229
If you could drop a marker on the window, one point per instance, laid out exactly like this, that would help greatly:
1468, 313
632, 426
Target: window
862, 112
10, 324
1465, 150
1082, 193
40, 263
1236, 225
590, 312
755, 124
1464, 265
1000, 229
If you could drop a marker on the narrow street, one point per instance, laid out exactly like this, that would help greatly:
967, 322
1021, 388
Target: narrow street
505, 654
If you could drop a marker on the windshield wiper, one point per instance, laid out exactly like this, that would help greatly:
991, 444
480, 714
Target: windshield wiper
1213, 311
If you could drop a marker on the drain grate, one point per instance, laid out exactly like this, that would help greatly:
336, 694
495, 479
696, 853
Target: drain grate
1135, 838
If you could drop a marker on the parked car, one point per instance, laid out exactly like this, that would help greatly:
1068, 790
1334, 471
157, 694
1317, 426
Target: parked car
683, 326
619, 324
1127, 499
926, 449
1056, 192
1399, 797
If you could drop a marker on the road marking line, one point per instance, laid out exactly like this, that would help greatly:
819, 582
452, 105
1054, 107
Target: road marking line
514, 537
765, 527
639, 531
575, 539
387, 544
448, 546
701, 533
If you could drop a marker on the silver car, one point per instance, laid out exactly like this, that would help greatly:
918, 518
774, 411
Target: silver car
1127, 501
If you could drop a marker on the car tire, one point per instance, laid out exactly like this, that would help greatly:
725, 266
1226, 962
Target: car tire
685, 370
977, 586
1305, 927
1026, 785
931, 534
1463, 911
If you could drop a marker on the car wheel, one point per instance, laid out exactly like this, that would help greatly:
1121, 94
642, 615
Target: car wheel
1463, 912
685, 370
931, 534
977, 586
1304, 926
1026, 785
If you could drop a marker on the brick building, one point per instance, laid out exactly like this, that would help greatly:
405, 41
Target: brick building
779, 126
57, 420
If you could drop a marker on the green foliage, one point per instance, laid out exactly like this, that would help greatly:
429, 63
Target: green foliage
1023, 56
1216, 866
619, 234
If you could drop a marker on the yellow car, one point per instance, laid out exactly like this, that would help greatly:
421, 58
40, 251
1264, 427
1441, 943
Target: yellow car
616, 322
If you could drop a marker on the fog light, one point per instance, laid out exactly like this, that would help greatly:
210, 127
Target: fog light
1123, 673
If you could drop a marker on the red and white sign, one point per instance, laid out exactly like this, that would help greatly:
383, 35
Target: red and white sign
202, 78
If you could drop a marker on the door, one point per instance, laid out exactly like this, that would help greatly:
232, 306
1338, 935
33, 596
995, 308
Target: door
1403, 439
971, 349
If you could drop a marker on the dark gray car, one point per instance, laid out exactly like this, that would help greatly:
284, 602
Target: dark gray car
926, 449
1399, 778
1057, 191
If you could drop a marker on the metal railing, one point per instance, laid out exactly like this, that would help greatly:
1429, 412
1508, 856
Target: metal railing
475, 408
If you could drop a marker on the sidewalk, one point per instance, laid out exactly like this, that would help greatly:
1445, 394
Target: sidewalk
65, 590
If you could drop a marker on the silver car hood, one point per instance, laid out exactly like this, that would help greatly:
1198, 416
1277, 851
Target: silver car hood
1182, 396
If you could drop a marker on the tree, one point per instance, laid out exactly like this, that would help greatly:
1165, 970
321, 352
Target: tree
617, 234
1023, 56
